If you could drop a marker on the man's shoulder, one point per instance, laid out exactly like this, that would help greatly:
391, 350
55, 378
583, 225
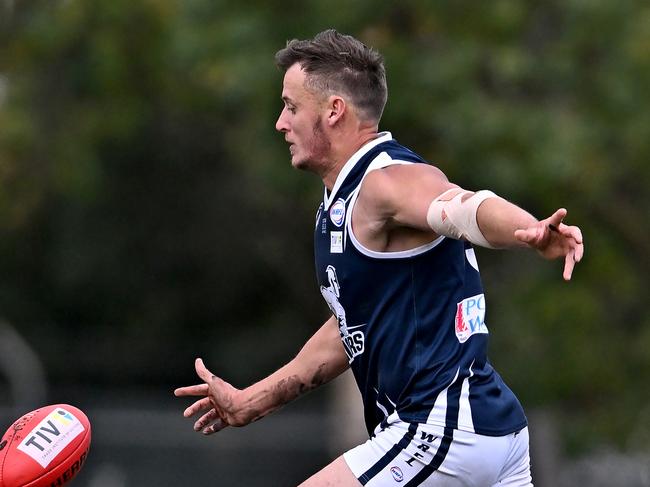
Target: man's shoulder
400, 152
381, 181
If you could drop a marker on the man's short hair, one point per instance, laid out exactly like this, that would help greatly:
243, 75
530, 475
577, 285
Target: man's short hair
340, 64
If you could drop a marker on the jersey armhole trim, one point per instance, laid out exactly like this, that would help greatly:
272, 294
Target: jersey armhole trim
381, 161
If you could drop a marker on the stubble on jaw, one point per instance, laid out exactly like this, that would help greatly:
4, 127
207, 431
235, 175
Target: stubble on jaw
318, 150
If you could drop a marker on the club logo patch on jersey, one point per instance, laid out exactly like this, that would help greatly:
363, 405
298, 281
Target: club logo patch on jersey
470, 317
397, 474
337, 212
353, 341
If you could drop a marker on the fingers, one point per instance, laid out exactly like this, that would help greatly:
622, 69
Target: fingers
573, 236
197, 390
576, 250
217, 387
197, 407
208, 402
208, 376
570, 231
554, 239
535, 236
206, 419
569, 264
579, 248
579, 252
215, 427
574, 233
202, 370
203, 424
556, 218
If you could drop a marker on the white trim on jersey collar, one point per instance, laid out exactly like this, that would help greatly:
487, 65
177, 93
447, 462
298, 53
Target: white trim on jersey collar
381, 137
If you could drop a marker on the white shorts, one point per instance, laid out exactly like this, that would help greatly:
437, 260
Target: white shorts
406, 454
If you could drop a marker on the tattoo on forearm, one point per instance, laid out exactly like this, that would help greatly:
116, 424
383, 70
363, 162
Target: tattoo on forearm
292, 387
288, 389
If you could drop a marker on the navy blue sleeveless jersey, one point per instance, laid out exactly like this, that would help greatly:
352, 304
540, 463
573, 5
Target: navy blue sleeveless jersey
413, 322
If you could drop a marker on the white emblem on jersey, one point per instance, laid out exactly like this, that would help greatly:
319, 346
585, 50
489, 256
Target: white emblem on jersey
470, 317
352, 342
337, 212
336, 242
471, 258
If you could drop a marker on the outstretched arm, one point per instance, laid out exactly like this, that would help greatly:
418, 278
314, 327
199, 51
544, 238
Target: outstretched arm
320, 360
420, 197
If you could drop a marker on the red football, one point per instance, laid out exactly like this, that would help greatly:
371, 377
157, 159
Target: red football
44, 448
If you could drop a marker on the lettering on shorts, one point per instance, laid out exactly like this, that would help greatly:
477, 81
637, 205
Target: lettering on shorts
423, 447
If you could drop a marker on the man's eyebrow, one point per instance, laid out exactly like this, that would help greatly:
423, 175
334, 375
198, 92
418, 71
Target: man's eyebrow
286, 99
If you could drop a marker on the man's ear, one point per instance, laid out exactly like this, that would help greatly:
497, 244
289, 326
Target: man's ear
336, 108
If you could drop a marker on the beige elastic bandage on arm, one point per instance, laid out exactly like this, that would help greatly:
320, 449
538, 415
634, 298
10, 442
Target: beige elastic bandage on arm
454, 215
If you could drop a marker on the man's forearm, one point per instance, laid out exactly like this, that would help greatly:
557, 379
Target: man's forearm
498, 219
320, 360
280, 388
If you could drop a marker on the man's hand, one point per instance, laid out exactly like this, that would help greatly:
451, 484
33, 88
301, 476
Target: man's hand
219, 402
553, 239
321, 359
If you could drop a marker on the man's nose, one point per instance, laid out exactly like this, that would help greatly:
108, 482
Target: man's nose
281, 124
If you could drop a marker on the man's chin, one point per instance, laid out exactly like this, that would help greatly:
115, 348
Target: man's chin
307, 164
301, 164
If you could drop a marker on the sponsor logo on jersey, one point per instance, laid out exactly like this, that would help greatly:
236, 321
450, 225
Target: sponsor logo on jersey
337, 212
51, 436
470, 317
336, 242
397, 474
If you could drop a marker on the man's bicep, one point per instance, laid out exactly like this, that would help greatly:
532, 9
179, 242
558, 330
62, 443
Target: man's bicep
401, 194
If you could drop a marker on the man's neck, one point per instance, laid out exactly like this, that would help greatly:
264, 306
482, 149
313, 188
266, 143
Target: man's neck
343, 155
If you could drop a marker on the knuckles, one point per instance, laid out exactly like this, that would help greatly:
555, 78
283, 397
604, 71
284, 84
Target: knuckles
237, 419
237, 422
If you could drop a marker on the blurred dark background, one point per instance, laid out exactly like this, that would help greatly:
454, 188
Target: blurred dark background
149, 215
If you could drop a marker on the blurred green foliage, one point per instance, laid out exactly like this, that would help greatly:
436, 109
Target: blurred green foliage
148, 212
